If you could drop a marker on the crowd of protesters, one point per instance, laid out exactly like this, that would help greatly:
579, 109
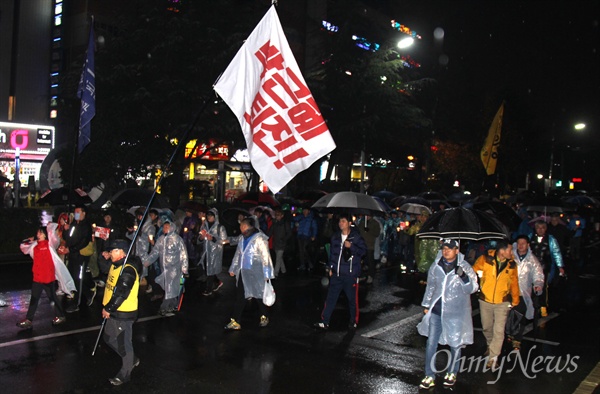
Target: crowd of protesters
515, 282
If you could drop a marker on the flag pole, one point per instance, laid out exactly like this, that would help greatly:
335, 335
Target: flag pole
86, 93
178, 148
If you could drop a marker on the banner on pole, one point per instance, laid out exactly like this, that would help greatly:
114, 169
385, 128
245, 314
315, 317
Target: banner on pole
284, 130
87, 93
489, 152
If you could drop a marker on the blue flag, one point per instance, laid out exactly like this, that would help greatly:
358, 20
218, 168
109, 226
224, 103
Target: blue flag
87, 93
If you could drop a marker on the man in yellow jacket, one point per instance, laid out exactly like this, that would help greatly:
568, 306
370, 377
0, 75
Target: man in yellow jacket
121, 307
499, 284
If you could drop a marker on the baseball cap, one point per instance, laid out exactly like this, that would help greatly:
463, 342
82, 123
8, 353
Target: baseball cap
451, 243
119, 244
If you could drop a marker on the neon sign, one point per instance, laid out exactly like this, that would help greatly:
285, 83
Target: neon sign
31, 140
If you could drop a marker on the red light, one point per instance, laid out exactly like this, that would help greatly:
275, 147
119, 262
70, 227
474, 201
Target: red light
577, 180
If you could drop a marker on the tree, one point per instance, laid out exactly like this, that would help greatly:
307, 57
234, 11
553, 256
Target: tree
369, 98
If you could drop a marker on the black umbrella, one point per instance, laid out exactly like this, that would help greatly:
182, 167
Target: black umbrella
385, 195
350, 202
546, 205
229, 218
133, 196
463, 223
503, 212
412, 200
60, 196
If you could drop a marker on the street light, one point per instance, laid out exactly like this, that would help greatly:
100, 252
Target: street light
405, 42
579, 126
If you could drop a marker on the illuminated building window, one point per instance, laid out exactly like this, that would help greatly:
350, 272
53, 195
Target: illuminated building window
58, 9
53, 114
58, 20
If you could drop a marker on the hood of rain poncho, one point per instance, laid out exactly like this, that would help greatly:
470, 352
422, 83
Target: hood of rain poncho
252, 261
455, 296
213, 250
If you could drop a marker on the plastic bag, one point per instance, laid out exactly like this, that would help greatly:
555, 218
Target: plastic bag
269, 294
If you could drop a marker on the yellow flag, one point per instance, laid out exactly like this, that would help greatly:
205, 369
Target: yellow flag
489, 152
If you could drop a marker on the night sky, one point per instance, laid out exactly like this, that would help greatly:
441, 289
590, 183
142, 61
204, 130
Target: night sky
541, 57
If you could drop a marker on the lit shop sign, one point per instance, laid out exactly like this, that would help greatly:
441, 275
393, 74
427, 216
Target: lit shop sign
207, 151
30, 139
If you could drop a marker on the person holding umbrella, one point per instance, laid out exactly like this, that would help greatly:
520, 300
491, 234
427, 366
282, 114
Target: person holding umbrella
347, 250
447, 303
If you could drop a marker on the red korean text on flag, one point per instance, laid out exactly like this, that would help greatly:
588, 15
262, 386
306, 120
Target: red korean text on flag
283, 127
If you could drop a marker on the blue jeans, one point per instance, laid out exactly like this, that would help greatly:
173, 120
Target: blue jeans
435, 331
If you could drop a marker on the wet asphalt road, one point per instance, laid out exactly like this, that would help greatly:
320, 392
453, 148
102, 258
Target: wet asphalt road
191, 353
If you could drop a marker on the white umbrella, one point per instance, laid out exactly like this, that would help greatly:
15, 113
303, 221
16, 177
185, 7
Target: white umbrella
414, 209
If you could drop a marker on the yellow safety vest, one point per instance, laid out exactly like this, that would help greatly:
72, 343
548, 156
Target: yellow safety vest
131, 303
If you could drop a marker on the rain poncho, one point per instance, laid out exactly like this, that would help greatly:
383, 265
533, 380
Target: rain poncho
530, 274
455, 296
65, 281
142, 242
252, 260
213, 250
425, 251
390, 235
170, 249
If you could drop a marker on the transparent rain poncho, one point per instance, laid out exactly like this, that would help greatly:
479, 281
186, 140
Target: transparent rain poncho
213, 250
455, 296
254, 263
173, 261
530, 274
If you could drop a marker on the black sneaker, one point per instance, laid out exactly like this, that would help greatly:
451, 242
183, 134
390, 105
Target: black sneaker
73, 308
321, 326
352, 326
218, 287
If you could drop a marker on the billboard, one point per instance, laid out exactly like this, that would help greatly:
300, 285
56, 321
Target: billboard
33, 141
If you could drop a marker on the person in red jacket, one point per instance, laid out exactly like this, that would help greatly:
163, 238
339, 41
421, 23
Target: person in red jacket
43, 279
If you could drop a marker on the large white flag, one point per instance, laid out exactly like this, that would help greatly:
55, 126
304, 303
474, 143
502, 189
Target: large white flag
283, 127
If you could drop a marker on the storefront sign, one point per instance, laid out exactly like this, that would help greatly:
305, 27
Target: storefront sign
33, 141
207, 151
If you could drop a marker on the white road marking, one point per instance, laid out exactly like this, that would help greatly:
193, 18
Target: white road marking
65, 333
411, 319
